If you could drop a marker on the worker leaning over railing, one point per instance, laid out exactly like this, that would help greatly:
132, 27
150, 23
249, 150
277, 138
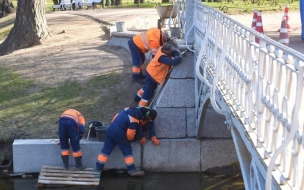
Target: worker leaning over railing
157, 71
71, 127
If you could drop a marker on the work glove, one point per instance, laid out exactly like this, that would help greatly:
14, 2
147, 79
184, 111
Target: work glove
142, 141
155, 140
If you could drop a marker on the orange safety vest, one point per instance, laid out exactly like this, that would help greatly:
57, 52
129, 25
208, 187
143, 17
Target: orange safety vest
149, 40
158, 71
75, 115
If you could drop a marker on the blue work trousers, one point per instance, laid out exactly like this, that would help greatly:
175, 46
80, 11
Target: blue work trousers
68, 129
138, 58
124, 146
148, 89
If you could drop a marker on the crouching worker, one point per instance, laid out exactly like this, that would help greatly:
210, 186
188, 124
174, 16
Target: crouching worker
71, 127
157, 71
121, 132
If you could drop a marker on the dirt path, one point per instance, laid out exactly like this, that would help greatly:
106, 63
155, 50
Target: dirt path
76, 49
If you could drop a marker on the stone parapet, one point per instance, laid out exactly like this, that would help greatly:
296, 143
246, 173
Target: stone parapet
172, 155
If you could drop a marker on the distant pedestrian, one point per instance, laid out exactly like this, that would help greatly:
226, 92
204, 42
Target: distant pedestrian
142, 43
71, 127
121, 132
157, 71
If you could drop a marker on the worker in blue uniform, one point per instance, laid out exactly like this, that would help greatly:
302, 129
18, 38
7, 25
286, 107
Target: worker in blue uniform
121, 132
71, 127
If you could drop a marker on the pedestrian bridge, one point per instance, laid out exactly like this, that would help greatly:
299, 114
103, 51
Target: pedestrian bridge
237, 95
258, 85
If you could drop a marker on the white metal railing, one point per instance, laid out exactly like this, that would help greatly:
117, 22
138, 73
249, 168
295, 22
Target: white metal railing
262, 83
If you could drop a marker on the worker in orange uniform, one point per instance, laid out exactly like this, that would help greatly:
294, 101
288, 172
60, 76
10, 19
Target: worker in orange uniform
121, 132
157, 71
149, 40
71, 127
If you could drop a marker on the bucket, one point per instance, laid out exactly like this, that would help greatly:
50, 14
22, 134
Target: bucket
121, 26
101, 133
91, 128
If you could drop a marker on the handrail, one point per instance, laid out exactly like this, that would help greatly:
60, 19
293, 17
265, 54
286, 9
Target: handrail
261, 82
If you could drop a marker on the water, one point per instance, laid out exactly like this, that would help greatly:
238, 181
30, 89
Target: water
151, 181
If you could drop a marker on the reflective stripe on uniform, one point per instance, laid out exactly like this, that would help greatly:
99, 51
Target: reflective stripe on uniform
143, 38
133, 119
102, 158
143, 103
140, 92
136, 70
129, 160
77, 154
65, 152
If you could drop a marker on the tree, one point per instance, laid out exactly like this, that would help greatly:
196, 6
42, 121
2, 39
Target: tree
30, 27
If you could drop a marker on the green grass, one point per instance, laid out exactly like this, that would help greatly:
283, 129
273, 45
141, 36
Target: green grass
4, 33
26, 114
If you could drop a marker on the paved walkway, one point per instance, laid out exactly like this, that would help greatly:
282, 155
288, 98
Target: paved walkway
271, 21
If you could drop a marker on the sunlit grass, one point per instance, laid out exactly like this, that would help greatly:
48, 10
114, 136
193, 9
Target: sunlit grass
26, 114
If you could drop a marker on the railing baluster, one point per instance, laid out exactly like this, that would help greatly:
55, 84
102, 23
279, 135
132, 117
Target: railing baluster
263, 86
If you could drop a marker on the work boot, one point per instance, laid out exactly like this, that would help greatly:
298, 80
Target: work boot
65, 160
79, 165
99, 167
136, 173
140, 81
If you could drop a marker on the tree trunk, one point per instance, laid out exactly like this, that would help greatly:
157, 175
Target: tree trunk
30, 26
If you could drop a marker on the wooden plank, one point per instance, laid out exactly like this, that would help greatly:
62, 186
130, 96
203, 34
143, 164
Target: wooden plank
70, 171
61, 168
55, 175
68, 179
67, 182
70, 175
